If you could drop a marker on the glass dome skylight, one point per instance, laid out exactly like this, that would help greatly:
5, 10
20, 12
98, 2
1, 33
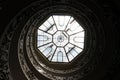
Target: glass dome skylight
60, 38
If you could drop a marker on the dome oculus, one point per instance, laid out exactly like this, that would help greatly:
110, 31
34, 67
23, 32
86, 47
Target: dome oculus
60, 38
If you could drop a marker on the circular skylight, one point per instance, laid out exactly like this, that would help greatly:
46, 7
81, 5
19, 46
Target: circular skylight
60, 38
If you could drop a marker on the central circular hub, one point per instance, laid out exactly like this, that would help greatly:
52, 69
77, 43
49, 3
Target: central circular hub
60, 38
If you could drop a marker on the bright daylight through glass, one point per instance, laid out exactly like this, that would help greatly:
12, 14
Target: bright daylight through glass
60, 38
